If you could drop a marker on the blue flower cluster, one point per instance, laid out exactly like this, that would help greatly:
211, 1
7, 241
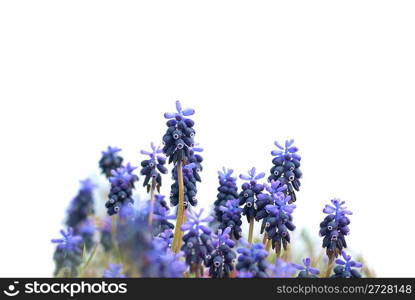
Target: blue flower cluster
197, 239
122, 185
68, 253
153, 167
334, 228
227, 189
307, 271
110, 160
178, 139
114, 271
286, 167
221, 259
231, 218
252, 260
162, 216
249, 193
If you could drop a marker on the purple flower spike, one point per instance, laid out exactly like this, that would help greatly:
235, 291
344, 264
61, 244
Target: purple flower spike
110, 160
153, 167
306, 271
221, 259
253, 259
334, 227
181, 113
69, 243
114, 271
345, 267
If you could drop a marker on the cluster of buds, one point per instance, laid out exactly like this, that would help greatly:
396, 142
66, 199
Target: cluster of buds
221, 260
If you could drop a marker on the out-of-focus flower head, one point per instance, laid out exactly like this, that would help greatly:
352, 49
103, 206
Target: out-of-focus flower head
82, 205
69, 242
110, 160
282, 269
163, 262
252, 259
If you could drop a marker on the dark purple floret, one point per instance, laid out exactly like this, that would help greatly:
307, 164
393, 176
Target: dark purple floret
178, 139
221, 260
306, 271
82, 205
345, 268
162, 216
252, 259
197, 239
228, 190
334, 228
114, 271
231, 218
250, 191
153, 167
122, 185
286, 167
110, 160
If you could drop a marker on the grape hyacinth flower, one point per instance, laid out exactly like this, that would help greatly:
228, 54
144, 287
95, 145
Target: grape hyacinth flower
189, 184
278, 221
166, 236
197, 240
110, 160
68, 253
221, 260
122, 185
344, 268
248, 197
227, 189
306, 271
114, 271
152, 169
252, 259
178, 142
286, 167
161, 218
231, 218
82, 205
334, 228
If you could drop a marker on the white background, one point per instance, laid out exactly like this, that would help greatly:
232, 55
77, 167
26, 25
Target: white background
337, 76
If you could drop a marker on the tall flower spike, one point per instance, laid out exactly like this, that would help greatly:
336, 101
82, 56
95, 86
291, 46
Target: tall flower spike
179, 136
221, 260
286, 167
276, 210
122, 185
248, 197
306, 271
231, 218
252, 259
334, 228
110, 160
82, 205
227, 189
345, 267
197, 240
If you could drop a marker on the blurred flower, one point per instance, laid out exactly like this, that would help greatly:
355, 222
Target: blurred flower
110, 160
106, 234
334, 228
114, 271
86, 231
252, 259
282, 269
344, 268
82, 205
306, 271
286, 167
68, 253
69, 242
